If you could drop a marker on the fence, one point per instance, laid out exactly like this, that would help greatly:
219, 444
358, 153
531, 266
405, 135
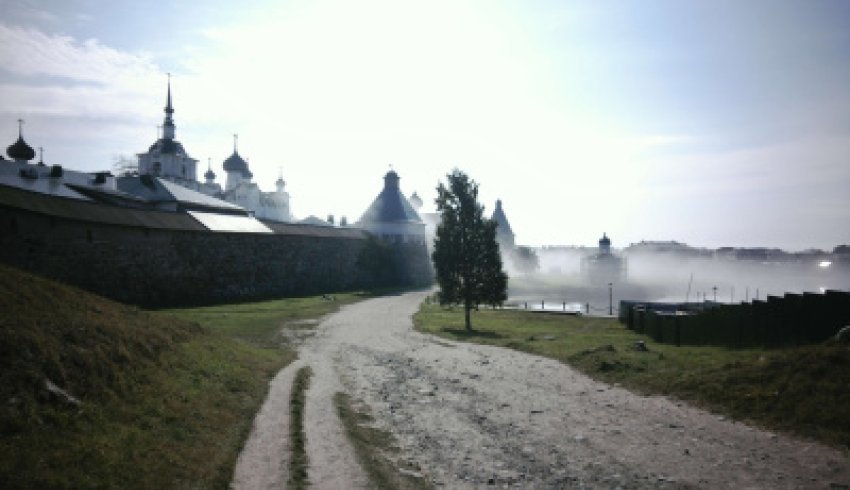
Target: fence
778, 321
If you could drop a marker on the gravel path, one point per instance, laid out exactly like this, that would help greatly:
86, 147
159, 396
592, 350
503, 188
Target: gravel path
476, 416
264, 461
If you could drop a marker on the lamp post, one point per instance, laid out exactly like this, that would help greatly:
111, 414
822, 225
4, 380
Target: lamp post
610, 299
715, 293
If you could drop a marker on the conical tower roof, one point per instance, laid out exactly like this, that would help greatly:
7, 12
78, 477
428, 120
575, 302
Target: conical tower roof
501, 220
390, 205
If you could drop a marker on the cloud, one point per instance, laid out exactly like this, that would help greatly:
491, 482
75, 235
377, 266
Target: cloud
55, 74
30, 52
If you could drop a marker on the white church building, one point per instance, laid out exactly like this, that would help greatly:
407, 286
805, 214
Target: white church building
167, 159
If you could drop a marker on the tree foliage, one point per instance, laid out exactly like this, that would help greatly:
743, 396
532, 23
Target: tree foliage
466, 255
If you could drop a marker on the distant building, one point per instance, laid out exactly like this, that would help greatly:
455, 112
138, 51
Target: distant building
241, 190
167, 159
135, 192
391, 216
504, 233
603, 266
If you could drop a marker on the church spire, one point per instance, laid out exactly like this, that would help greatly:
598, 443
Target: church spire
168, 125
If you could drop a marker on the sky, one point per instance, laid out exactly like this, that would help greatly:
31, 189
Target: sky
714, 123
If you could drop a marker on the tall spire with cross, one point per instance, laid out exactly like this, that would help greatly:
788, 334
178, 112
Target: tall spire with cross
168, 124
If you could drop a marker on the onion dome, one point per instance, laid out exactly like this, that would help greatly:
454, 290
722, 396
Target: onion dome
20, 150
209, 174
235, 163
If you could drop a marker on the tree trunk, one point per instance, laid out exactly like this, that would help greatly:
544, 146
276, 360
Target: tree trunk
466, 310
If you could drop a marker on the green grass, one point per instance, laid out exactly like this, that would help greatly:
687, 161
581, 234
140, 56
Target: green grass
298, 441
166, 398
803, 390
259, 323
374, 447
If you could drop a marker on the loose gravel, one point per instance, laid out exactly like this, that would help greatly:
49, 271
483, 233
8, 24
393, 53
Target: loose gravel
475, 416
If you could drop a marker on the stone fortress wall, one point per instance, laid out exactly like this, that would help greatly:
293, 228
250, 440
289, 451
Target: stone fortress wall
156, 259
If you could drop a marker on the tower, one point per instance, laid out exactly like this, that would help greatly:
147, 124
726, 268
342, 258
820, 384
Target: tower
391, 216
167, 157
504, 234
605, 245
280, 184
168, 124
209, 175
416, 201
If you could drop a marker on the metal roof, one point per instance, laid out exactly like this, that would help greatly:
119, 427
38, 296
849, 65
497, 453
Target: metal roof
186, 195
157, 190
229, 223
310, 230
76, 209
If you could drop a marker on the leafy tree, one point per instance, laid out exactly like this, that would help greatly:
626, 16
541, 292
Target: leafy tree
466, 255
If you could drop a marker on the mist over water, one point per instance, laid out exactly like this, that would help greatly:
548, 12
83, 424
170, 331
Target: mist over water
667, 277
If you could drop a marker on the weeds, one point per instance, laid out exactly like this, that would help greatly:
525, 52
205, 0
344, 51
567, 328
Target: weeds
297, 438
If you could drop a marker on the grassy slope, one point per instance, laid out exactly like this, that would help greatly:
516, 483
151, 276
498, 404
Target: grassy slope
803, 390
165, 402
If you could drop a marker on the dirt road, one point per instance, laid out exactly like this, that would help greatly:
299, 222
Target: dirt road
475, 416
